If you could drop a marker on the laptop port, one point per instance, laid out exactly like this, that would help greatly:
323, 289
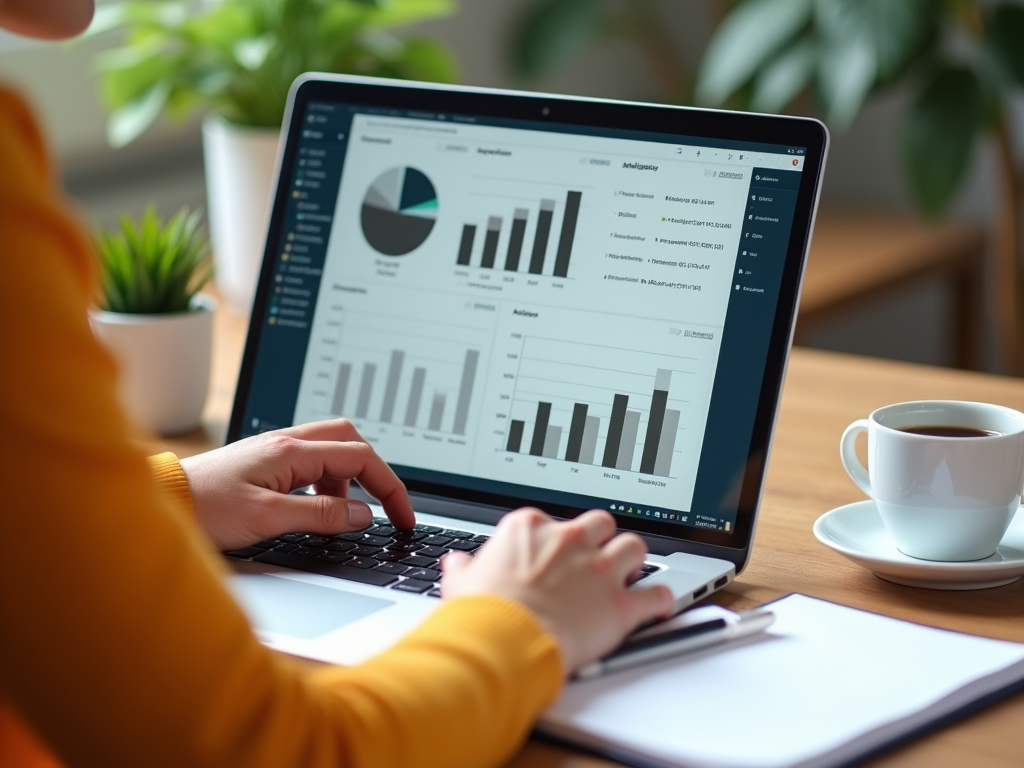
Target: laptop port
700, 592
721, 582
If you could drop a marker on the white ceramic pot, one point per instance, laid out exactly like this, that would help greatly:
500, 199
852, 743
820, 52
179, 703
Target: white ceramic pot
164, 363
240, 165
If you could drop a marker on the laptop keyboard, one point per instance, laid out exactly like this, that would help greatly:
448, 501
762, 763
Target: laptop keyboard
380, 555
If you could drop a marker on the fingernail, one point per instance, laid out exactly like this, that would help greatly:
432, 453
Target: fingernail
359, 514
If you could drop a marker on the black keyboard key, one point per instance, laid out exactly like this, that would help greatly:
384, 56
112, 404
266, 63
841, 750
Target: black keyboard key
246, 553
363, 551
480, 538
406, 546
266, 544
313, 540
337, 570
431, 551
435, 592
362, 562
339, 546
396, 568
648, 568
437, 541
309, 551
420, 562
284, 548
453, 534
335, 557
413, 585
292, 538
375, 541
382, 530
409, 535
426, 574
355, 536
463, 546
391, 557
426, 528
380, 521
640, 577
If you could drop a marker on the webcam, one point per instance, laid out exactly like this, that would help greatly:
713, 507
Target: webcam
545, 111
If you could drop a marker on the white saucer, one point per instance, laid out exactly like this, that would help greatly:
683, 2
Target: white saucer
856, 532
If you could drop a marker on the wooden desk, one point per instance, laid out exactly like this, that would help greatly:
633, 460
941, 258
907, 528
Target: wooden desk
824, 392
858, 257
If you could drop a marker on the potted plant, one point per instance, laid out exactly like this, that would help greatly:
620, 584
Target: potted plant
238, 58
154, 321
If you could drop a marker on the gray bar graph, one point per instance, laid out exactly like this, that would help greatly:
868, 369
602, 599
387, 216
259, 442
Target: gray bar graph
540, 241
341, 389
515, 436
387, 411
436, 411
465, 391
515, 241
365, 390
466, 246
572, 210
491, 242
551, 440
589, 448
412, 410
667, 444
630, 428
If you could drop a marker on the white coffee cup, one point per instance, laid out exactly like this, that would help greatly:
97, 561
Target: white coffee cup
941, 498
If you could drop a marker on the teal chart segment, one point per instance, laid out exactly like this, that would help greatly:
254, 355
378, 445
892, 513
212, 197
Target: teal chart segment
399, 211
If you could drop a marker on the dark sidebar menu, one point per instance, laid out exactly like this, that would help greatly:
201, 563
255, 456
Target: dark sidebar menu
299, 256
760, 262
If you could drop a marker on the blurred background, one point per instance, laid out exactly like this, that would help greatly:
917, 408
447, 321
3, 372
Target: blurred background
925, 101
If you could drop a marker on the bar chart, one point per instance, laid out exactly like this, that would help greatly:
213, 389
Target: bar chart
621, 434
357, 386
536, 254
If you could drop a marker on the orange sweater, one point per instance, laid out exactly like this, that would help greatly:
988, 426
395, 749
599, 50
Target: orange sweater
119, 645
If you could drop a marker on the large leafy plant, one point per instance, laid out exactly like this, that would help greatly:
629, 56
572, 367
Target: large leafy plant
240, 56
149, 268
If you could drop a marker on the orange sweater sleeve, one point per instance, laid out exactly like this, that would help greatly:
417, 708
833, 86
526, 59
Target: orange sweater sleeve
119, 644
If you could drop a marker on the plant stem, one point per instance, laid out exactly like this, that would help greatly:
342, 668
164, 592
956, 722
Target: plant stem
1009, 233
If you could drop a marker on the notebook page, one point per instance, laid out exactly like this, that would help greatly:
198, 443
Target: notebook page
823, 680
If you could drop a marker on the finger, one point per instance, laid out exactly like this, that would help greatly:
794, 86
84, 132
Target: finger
626, 554
649, 603
331, 431
332, 486
598, 525
314, 461
326, 515
452, 565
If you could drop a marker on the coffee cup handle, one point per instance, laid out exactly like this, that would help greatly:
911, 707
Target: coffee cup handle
848, 453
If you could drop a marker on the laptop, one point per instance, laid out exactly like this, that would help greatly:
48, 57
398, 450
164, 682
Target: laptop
521, 299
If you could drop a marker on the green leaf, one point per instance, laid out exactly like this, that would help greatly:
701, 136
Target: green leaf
403, 12
845, 78
252, 52
744, 42
428, 60
127, 123
894, 33
1006, 39
937, 136
552, 32
781, 80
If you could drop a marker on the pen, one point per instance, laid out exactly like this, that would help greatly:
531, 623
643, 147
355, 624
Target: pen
678, 641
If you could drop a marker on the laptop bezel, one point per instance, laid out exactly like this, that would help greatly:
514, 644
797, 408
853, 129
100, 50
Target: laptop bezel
663, 537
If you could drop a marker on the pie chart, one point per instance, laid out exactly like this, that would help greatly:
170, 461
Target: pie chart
399, 211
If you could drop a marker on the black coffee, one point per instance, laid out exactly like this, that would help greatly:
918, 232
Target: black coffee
941, 430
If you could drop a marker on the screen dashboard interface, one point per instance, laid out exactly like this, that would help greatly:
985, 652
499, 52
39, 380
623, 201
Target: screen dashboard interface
517, 308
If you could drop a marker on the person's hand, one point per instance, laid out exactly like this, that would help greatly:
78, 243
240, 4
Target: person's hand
240, 492
572, 575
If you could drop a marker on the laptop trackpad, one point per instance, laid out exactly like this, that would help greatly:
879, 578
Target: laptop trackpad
297, 609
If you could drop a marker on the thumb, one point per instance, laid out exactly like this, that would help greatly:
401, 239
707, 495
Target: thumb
650, 603
321, 514
453, 562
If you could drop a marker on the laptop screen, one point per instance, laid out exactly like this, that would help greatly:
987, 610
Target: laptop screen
533, 311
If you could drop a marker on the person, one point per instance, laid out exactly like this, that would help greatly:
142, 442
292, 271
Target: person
121, 645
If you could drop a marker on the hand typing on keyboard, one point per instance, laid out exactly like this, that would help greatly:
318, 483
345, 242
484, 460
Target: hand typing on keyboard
572, 575
240, 493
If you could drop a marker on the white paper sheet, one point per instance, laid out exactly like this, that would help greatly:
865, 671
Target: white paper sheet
824, 682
